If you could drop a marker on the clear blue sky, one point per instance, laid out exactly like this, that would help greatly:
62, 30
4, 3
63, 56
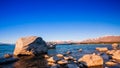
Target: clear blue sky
58, 19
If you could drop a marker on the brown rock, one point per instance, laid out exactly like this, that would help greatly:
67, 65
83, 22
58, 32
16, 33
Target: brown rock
115, 45
51, 60
30, 46
110, 63
61, 62
91, 60
46, 56
103, 49
59, 55
116, 55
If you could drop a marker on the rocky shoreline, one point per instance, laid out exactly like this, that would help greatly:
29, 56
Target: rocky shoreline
31, 52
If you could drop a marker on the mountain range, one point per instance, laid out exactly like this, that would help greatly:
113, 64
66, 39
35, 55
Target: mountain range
104, 39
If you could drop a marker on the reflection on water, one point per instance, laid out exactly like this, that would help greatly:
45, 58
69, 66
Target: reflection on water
30, 62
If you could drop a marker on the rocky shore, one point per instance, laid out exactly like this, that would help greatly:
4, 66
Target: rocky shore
31, 52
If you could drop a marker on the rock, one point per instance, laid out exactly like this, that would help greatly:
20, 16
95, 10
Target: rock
68, 52
91, 60
60, 55
110, 63
7, 56
51, 60
116, 57
75, 61
62, 62
7, 60
80, 50
103, 49
46, 56
115, 46
69, 58
30, 46
110, 52
66, 58
115, 54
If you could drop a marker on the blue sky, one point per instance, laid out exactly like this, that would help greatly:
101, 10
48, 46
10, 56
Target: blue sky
58, 19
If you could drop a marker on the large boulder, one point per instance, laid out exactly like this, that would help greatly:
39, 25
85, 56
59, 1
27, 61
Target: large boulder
32, 45
91, 60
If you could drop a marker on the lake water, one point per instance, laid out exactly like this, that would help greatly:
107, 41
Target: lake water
8, 49
24, 63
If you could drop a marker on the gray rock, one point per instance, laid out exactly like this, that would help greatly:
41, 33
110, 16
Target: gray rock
30, 46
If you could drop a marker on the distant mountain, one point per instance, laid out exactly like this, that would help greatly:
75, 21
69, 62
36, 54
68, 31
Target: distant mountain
5, 43
104, 39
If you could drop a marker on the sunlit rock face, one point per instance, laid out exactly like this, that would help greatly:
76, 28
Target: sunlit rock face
91, 60
32, 45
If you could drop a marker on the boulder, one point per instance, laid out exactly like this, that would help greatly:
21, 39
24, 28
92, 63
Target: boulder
32, 45
91, 60
103, 49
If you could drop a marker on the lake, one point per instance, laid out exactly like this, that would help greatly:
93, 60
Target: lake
24, 63
87, 48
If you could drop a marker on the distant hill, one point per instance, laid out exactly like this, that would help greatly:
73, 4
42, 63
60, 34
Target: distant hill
104, 39
5, 43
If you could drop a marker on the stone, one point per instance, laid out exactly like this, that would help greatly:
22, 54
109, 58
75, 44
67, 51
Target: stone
60, 55
110, 63
62, 62
69, 58
115, 46
51, 60
68, 52
91, 60
32, 45
46, 56
80, 50
116, 57
115, 54
7, 56
103, 49
110, 52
